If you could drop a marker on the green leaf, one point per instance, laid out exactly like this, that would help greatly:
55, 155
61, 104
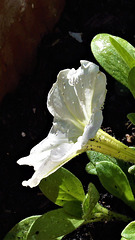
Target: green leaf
122, 51
74, 208
115, 55
131, 81
21, 230
62, 187
90, 201
131, 117
129, 231
96, 157
53, 225
91, 168
116, 182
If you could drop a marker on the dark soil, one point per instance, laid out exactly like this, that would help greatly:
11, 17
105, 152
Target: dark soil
24, 119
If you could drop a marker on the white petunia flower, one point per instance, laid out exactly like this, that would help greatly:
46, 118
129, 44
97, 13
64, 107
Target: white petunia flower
75, 101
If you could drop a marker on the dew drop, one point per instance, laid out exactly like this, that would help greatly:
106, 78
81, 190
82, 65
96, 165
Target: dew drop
64, 85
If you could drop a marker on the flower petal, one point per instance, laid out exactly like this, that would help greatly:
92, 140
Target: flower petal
90, 88
63, 102
77, 93
91, 128
50, 163
54, 151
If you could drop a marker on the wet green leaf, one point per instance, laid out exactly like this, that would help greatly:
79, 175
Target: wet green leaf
115, 181
62, 187
115, 55
20, 230
53, 225
129, 232
122, 51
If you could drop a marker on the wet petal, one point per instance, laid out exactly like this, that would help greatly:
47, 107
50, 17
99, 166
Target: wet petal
77, 93
62, 101
54, 151
90, 88
51, 162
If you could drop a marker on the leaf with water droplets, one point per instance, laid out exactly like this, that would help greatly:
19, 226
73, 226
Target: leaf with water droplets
115, 55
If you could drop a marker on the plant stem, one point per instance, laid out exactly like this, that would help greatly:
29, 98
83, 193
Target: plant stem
103, 214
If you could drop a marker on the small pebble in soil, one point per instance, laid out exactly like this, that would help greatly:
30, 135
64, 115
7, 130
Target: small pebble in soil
23, 134
129, 138
34, 110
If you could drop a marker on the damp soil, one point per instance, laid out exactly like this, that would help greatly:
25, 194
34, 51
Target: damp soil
25, 120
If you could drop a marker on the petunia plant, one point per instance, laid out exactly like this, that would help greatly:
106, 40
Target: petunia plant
76, 101
75, 209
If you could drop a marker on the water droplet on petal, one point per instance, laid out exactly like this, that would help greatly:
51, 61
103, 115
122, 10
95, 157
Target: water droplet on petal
64, 85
